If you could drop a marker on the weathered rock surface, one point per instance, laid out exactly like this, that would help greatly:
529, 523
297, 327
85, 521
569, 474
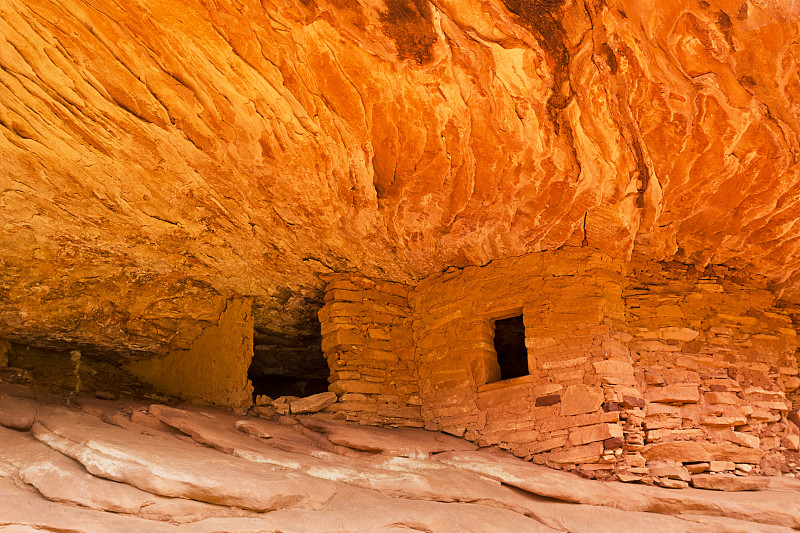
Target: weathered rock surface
317, 489
17, 413
175, 469
313, 403
60, 479
156, 162
772, 508
427, 480
728, 482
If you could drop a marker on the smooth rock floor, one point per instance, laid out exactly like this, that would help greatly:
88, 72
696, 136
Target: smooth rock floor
89, 465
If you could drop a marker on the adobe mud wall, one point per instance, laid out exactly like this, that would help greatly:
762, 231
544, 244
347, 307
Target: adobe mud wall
214, 368
628, 363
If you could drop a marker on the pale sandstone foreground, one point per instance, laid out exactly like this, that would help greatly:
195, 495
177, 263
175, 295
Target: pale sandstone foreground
97, 465
164, 158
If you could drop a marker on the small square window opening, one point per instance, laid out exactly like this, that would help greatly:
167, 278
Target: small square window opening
509, 344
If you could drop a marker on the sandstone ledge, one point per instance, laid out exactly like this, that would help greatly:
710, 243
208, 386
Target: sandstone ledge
314, 472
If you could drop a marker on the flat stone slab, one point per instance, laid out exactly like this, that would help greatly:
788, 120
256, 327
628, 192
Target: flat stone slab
401, 442
729, 482
312, 404
700, 452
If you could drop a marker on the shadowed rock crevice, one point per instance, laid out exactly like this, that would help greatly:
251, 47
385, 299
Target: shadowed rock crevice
69, 372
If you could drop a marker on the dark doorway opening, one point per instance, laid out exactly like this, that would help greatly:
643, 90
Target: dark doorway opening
509, 343
287, 354
277, 386
288, 366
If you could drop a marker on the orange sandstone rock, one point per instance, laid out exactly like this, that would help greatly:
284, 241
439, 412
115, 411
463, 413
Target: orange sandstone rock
157, 161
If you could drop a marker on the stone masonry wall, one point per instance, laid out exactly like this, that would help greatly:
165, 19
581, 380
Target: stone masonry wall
366, 339
640, 370
715, 358
571, 302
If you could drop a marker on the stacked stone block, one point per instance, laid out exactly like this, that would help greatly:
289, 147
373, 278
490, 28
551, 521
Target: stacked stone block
366, 339
654, 373
567, 411
716, 359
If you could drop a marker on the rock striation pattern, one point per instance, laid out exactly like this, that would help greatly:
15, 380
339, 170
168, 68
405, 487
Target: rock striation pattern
108, 466
158, 161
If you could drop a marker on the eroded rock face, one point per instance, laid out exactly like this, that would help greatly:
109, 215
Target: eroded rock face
156, 161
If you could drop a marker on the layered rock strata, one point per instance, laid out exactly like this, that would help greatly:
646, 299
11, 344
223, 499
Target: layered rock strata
108, 466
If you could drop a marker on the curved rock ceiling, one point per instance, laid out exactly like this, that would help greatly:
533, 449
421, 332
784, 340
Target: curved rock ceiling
158, 157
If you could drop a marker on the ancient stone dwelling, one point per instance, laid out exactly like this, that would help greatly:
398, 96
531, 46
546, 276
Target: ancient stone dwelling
575, 360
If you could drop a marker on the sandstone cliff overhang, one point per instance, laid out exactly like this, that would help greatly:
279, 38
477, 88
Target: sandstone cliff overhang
157, 159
